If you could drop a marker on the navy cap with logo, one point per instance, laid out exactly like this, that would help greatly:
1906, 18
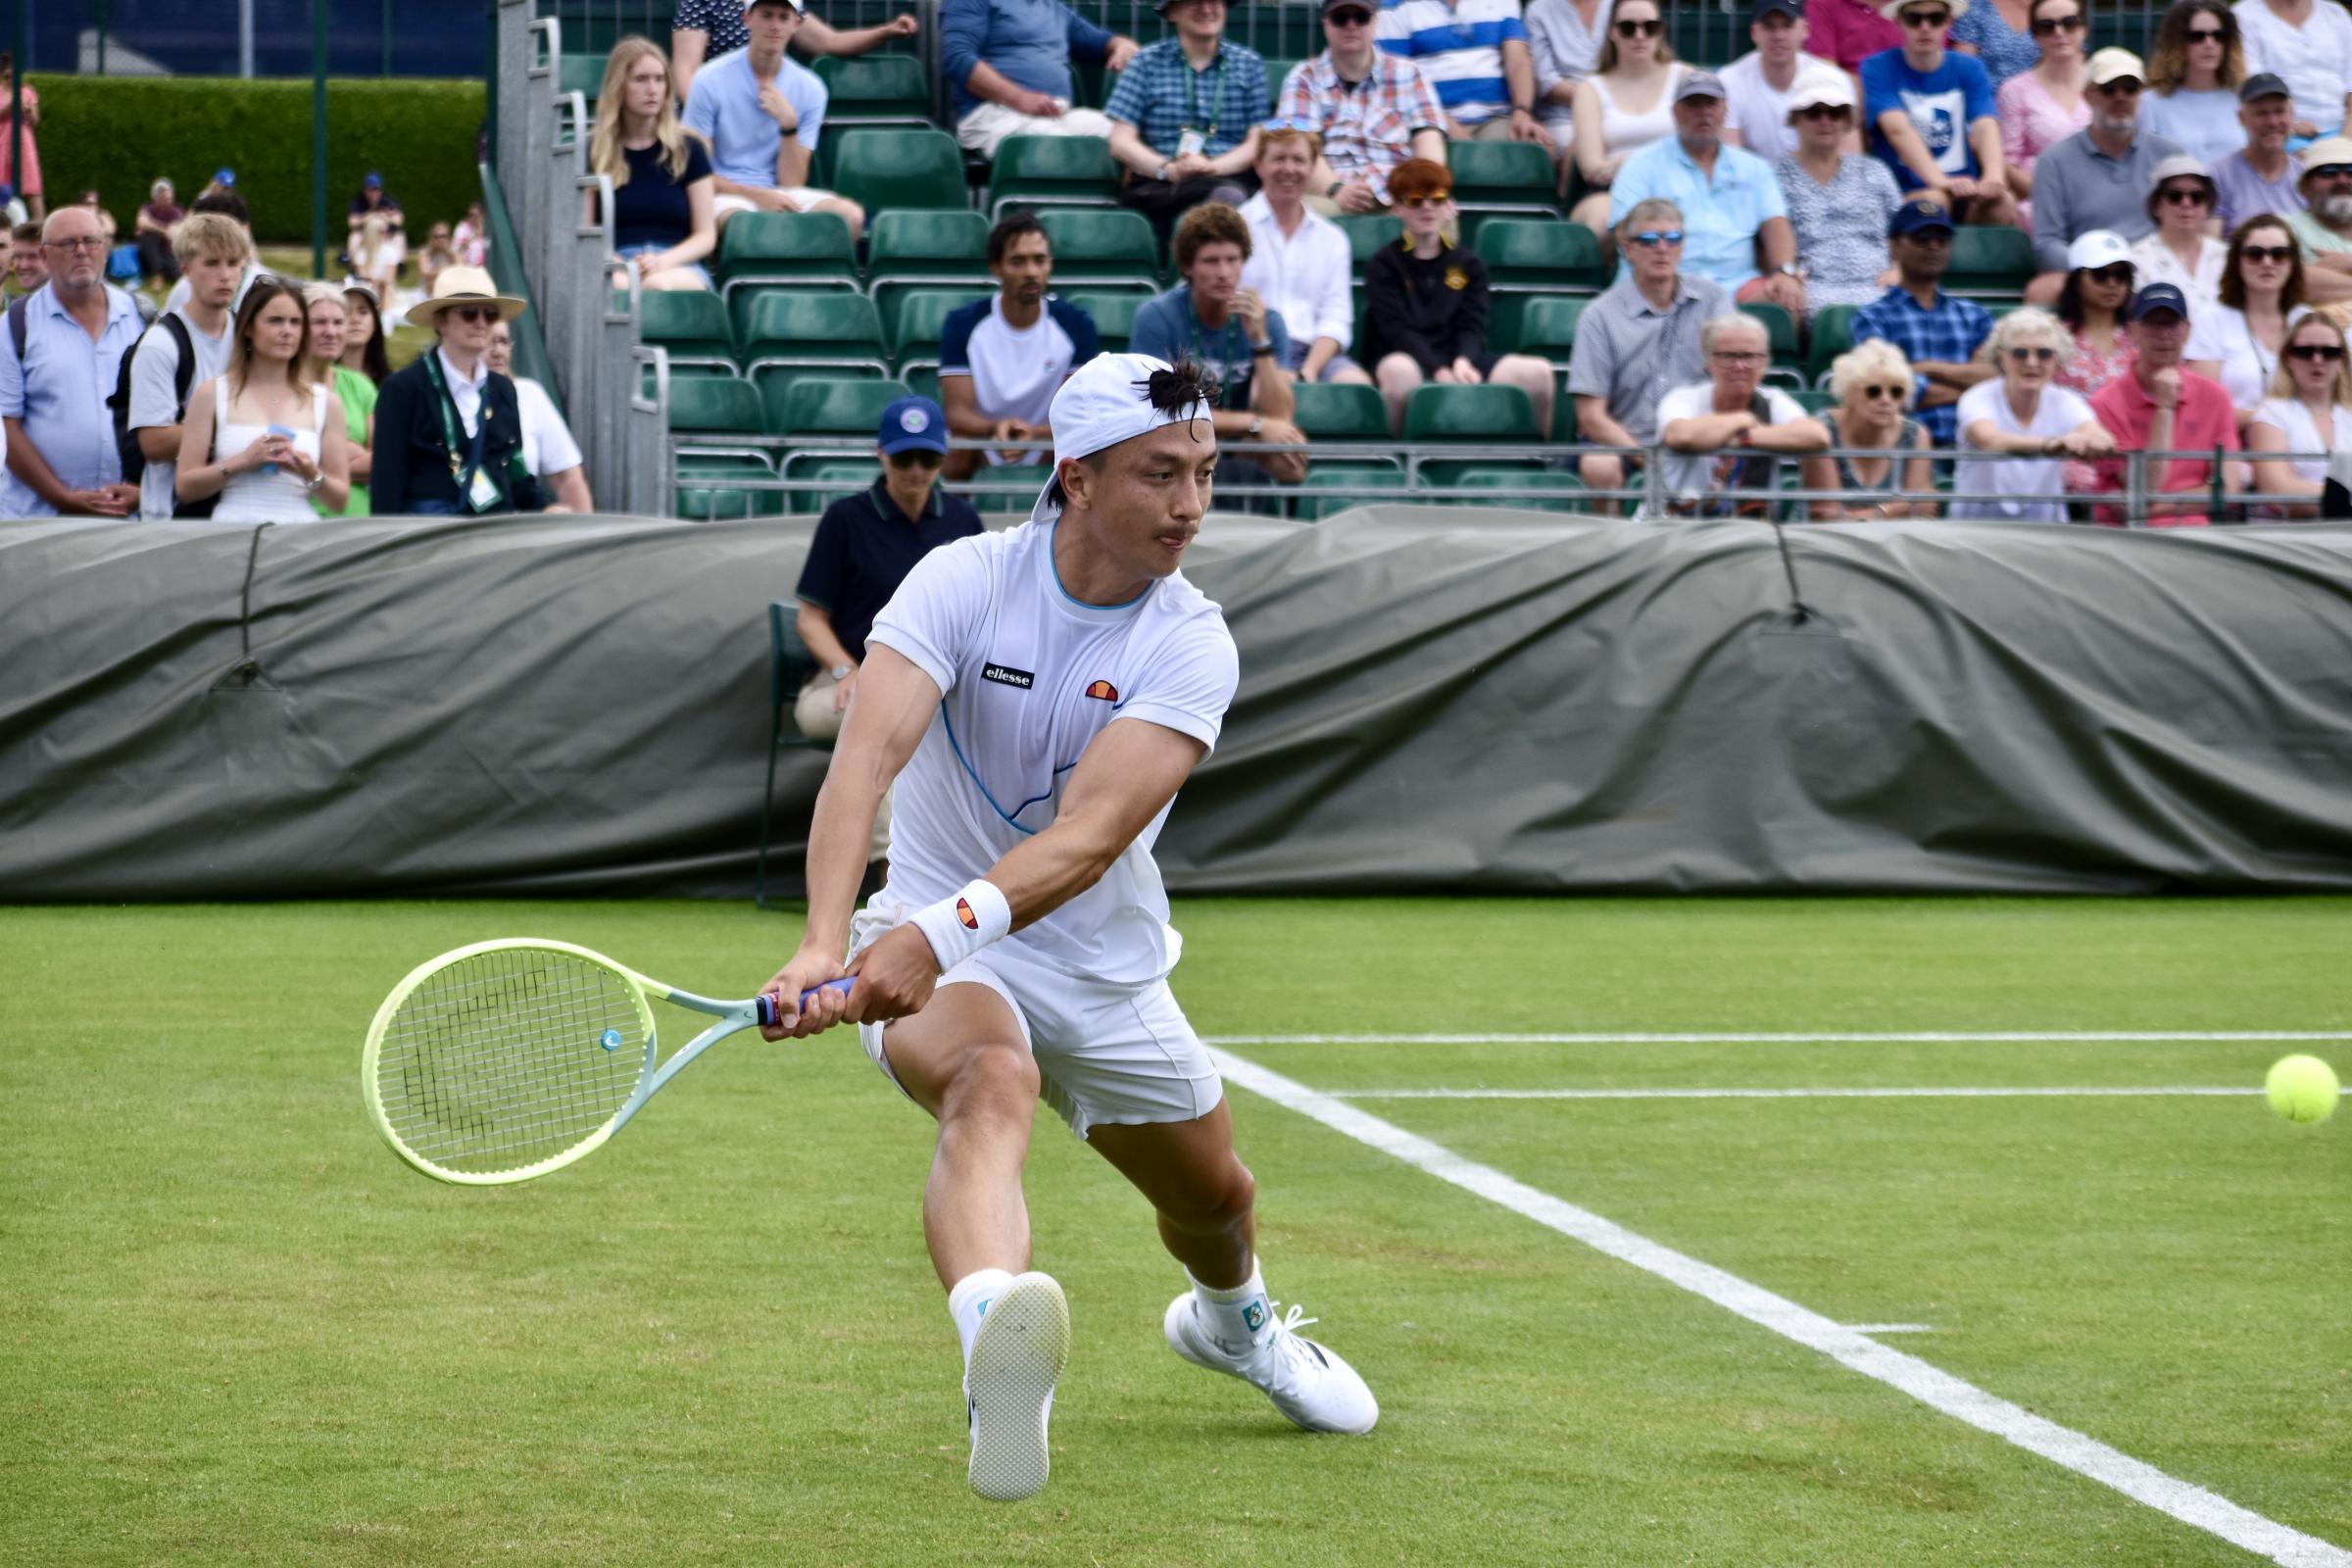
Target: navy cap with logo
913, 424
2154, 297
1917, 214
1776, 8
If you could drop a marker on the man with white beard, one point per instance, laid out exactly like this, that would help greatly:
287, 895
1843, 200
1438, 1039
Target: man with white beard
2098, 178
2324, 229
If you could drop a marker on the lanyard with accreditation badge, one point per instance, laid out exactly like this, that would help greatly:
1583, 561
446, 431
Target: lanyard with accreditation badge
480, 491
1191, 140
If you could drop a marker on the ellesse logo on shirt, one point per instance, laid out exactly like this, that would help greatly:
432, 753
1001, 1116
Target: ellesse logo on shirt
1103, 689
1006, 675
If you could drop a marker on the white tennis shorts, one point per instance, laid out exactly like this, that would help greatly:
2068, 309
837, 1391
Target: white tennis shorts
1116, 1054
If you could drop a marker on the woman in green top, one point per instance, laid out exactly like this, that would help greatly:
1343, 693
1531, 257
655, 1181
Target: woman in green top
331, 330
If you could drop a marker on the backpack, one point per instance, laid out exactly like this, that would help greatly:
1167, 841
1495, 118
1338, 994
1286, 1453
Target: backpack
126, 439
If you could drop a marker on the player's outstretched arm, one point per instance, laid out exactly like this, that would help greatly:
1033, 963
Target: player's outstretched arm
884, 723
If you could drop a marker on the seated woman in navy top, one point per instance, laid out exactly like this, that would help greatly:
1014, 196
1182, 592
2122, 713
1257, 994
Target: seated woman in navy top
661, 171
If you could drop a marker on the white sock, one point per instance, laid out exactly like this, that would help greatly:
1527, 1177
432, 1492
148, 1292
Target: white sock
968, 1303
1237, 1318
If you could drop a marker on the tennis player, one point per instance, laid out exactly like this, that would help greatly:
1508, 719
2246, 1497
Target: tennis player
1039, 696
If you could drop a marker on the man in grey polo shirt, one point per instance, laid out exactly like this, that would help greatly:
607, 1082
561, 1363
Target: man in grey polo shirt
1638, 341
2261, 176
2099, 178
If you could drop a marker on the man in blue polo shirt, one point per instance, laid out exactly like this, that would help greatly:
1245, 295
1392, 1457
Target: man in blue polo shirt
761, 113
1735, 231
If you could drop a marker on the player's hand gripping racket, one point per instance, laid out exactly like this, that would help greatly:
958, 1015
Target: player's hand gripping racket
506, 1061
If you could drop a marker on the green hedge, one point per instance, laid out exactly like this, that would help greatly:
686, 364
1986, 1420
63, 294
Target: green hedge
119, 134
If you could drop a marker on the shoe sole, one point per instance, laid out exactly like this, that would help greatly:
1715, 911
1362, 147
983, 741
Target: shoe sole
1017, 1358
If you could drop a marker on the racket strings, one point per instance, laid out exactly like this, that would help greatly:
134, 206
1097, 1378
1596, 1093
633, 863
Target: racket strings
507, 1058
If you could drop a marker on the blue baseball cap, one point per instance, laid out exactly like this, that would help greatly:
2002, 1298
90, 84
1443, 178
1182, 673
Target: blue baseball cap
2153, 297
373, 181
1916, 215
226, 176
913, 424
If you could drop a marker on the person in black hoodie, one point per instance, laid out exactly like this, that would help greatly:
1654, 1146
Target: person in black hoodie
449, 428
1427, 304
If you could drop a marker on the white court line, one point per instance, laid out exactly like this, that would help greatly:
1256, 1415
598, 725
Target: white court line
1930, 1038
1933, 1387
1772, 1094
1892, 1328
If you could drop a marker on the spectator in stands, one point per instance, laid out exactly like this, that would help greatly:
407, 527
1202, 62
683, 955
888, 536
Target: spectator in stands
1931, 116
1846, 32
2309, 410
2000, 35
1002, 359
363, 335
2181, 249
664, 216
1008, 63
376, 223
152, 229
1299, 263
1760, 88
2099, 279
1938, 333
185, 348
107, 225
1564, 39
2310, 44
1475, 55
449, 428
472, 242
2021, 422
61, 439
863, 548
1731, 431
700, 30
13, 211
1838, 201
2261, 177
26, 182
2099, 178
1212, 320
438, 252
1428, 305
1372, 109
548, 449
1637, 341
1872, 384
27, 261
1734, 223
263, 441
229, 205
1184, 118
2324, 227
2194, 69
2040, 108
329, 310
1625, 105
2162, 407
2235, 340
760, 114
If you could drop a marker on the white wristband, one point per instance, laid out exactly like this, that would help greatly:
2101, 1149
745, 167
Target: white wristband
959, 926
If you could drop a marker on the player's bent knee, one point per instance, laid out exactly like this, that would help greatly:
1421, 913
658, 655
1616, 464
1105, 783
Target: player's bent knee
993, 1080
1220, 1203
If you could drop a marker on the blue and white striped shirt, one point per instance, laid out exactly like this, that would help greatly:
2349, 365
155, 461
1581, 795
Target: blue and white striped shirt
1459, 47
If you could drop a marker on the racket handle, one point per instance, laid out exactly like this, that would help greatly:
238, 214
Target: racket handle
767, 1003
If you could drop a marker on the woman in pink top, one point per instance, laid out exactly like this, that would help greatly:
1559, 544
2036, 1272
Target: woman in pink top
26, 180
2045, 106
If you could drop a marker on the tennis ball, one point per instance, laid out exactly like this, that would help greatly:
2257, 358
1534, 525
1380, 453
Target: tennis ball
2302, 1089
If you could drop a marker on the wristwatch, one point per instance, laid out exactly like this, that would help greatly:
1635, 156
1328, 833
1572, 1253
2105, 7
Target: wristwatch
841, 672
1256, 424
1256, 349
1788, 269
1333, 189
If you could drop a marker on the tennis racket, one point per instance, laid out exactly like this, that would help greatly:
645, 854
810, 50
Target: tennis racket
505, 1061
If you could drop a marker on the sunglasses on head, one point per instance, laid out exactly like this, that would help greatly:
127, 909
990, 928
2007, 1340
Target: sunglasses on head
2044, 355
1658, 236
2321, 353
2269, 253
1634, 28
1926, 19
2185, 195
2044, 27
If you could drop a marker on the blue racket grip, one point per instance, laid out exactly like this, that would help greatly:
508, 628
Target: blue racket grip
767, 1003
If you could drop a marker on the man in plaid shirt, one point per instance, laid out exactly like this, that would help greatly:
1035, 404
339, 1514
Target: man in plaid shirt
1373, 110
1183, 117
1939, 333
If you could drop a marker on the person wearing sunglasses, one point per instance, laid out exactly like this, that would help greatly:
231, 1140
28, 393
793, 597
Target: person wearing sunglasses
449, 428
1735, 223
1373, 110
60, 448
1760, 88
1838, 199
2309, 44
2099, 280
1625, 106
2309, 410
2260, 176
1731, 431
2194, 69
2042, 107
1931, 117
2237, 339
1636, 342
1872, 383
2162, 405
2011, 429
2182, 250
2100, 176
1939, 333
2324, 228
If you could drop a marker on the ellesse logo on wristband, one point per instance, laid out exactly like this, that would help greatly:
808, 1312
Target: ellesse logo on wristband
1006, 675
963, 912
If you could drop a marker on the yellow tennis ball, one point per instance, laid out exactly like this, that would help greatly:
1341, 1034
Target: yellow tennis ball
2302, 1089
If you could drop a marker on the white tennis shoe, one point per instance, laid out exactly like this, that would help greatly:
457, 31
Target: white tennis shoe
1018, 1357
1306, 1382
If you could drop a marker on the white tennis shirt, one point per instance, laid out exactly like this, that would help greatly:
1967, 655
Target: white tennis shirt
1031, 676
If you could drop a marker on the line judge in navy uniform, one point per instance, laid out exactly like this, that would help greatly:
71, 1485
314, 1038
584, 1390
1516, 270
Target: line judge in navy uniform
448, 429
864, 547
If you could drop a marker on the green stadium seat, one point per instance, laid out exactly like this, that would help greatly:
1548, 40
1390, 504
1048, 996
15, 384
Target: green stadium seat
1989, 261
704, 412
1340, 411
1100, 248
806, 249
1013, 487
788, 333
1441, 413
1113, 316
876, 89
583, 74
883, 169
1542, 489
690, 326
1547, 327
924, 249
913, 329
1815, 399
714, 407
1309, 505
1046, 172
1833, 334
1366, 234
1780, 329
1500, 177
830, 408
1277, 72
1543, 256
842, 479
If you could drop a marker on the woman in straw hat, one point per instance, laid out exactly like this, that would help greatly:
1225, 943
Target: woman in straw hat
449, 428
